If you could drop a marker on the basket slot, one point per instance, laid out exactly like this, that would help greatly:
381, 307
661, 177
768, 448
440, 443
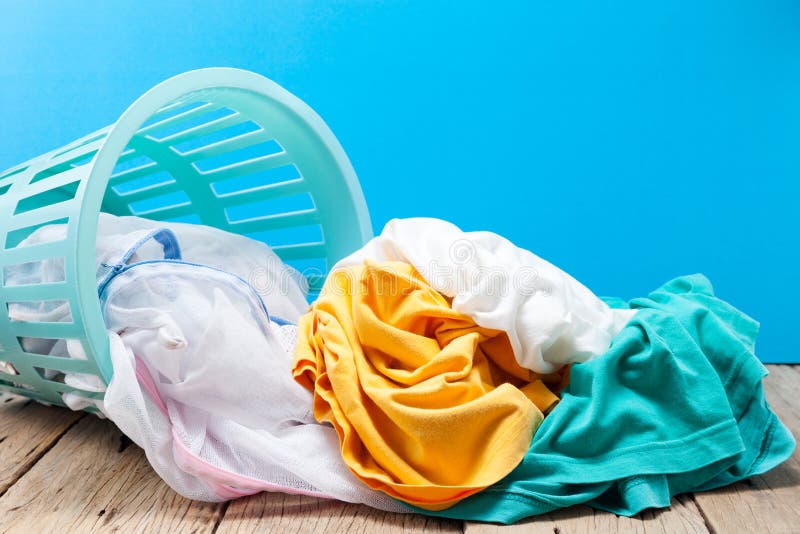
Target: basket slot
155, 204
56, 168
44, 199
58, 368
138, 172
172, 109
56, 277
127, 160
53, 181
32, 345
179, 118
14, 238
203, 129
42, 215
254, 181
168, 130
150, 191
61, 311
311, 233
4, 188
242, 155
263, 193
236, 170
169, 212
197, 142
145, 183
275, 222
300, 252
230, 146
252, 209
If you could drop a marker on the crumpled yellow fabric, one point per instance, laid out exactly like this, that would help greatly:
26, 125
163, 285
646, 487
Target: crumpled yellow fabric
429, 407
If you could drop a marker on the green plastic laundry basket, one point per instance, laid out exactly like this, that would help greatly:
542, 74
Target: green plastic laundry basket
222, 147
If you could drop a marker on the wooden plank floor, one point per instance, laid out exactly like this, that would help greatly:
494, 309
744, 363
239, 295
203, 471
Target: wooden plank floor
69, 472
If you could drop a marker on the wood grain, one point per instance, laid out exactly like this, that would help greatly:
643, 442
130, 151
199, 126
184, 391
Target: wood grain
770, 502
27, 431
767, 503
682, 517
66, 472
91, 481
277, 512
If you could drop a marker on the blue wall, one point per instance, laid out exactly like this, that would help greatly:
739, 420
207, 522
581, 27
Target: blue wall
628, 143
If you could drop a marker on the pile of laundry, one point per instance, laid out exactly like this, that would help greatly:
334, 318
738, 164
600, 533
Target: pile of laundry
445, 372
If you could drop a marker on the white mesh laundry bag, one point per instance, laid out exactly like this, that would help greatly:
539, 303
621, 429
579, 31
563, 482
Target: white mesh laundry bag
202, 375
280, 286
202, 381
113, 241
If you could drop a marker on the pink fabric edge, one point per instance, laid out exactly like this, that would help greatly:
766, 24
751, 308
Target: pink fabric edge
225, 484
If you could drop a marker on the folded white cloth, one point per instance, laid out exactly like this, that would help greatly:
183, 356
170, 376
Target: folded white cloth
551, 319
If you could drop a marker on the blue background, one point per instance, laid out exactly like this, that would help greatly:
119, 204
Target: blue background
627, 142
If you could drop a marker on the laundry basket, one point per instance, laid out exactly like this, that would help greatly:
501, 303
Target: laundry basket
222, 147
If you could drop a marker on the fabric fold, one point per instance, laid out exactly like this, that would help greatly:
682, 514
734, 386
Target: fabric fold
428, 406
675, 405
550, 318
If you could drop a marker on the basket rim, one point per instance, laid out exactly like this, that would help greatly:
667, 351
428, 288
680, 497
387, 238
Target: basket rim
117, 139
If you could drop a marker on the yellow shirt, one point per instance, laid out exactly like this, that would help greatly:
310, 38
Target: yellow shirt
429, 407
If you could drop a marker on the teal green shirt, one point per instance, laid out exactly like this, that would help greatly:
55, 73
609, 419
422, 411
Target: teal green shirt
675, 405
